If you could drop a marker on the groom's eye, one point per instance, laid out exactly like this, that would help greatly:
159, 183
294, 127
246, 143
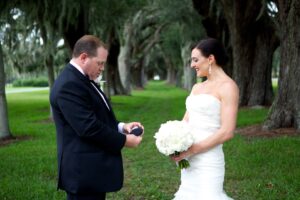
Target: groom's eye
100, 63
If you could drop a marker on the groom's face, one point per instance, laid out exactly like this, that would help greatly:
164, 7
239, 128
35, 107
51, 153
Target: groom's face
95, 65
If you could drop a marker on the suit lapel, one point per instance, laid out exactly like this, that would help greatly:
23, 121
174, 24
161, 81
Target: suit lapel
104, 96
89, 82
78, 73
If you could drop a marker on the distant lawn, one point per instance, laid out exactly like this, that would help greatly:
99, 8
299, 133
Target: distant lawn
264, 169
9, 90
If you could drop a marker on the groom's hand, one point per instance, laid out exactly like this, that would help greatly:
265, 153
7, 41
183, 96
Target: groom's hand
132, 140
127, 128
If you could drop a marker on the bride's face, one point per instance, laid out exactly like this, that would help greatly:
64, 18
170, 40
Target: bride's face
199, 63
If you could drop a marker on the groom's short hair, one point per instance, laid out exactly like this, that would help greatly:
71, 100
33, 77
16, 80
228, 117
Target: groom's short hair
88, 44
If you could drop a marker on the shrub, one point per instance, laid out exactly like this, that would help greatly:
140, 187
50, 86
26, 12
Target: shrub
31, 82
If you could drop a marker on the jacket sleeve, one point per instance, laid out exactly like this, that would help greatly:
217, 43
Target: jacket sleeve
75, 104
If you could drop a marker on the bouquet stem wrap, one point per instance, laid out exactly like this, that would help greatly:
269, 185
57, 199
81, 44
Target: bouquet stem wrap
183, 163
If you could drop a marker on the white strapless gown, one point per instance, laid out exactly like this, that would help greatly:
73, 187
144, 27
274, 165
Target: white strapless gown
203, 180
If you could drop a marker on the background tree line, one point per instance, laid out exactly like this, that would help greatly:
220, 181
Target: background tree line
150, 39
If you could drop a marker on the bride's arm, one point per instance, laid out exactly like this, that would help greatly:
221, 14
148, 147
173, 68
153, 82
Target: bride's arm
186, 117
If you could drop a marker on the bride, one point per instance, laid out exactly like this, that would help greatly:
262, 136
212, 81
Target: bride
211, 111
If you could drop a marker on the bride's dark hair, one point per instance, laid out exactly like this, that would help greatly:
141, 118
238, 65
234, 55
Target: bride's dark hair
211, 46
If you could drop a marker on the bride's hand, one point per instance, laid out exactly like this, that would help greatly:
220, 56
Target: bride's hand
191, 151
181, 156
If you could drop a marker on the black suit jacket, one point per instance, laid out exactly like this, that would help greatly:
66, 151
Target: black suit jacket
88, 142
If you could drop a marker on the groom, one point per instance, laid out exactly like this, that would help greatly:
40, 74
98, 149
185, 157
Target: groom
89, 138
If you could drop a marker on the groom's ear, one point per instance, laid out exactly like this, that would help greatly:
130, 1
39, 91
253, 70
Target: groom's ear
83, 57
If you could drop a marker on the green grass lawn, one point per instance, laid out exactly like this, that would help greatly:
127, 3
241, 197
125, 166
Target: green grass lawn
257, 168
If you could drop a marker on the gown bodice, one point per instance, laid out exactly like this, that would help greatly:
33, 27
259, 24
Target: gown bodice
204, 114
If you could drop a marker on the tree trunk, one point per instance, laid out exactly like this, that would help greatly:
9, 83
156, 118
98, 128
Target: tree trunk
106, 84
252, 50
49, 48
48, 57
4, 125
124, 68
124, 62
171, 76
261, 82
49, 60
285, 110
138, 74
50, 69
113, 78
189, 75
179, 74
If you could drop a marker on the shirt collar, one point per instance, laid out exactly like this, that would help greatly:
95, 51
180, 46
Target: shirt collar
76, 66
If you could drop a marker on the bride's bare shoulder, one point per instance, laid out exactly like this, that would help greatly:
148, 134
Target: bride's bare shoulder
229, 87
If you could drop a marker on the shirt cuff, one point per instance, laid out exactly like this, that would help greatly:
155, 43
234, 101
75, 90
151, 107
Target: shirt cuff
120, 127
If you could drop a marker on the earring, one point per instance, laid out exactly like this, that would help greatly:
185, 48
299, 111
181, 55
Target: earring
209, 69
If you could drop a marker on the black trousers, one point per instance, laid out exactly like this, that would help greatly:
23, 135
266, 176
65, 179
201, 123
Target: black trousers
86, 197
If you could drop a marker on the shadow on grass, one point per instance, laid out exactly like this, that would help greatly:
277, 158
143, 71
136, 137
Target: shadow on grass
12, 139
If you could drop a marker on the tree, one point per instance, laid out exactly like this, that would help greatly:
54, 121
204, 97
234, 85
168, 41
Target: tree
285, 110
109, 25
112, 72
140, 34
189, 75
247, 32
253, 42
124, 58
29, 27
49, 36
4, 126
179, 33
183, 34
215, 24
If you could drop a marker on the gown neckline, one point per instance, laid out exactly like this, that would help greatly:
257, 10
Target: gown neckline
209, 95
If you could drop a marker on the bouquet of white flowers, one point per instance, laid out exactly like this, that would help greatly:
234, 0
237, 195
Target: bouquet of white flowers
174, 137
